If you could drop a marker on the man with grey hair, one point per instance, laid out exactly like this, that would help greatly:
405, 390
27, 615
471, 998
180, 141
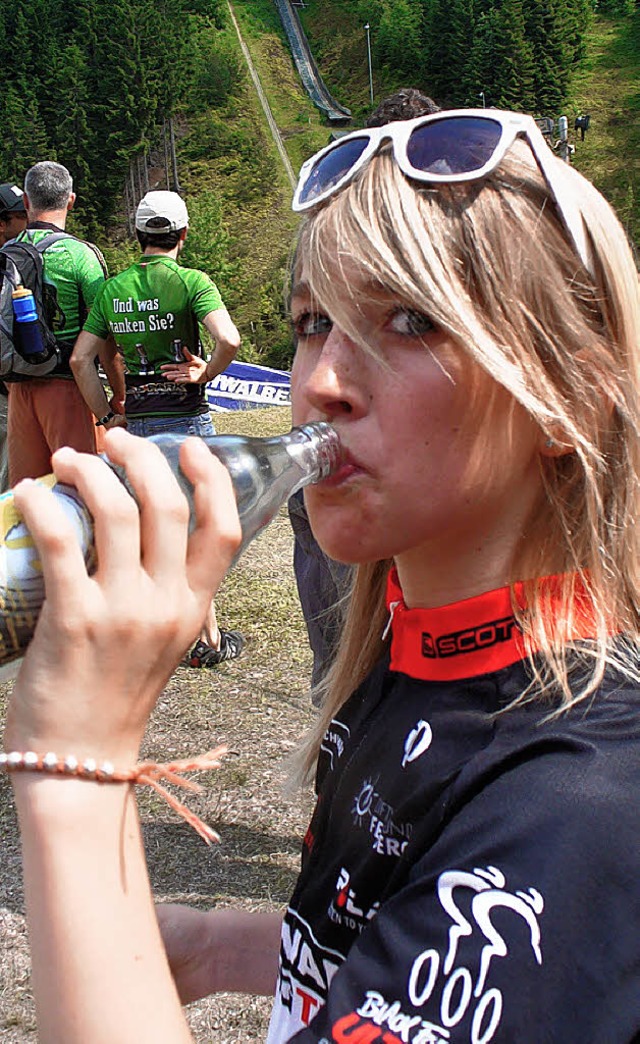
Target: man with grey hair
46, 413
49, 186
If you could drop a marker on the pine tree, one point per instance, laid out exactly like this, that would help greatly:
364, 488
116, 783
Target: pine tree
398, 39
449, 41
501, 63
551, 60
24, 139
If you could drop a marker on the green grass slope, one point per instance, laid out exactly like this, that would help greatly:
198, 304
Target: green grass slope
607, 85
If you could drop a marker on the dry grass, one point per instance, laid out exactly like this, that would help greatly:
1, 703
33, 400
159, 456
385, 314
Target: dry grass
259, 706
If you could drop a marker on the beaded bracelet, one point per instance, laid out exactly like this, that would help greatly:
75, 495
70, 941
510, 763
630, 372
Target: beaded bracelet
148, 773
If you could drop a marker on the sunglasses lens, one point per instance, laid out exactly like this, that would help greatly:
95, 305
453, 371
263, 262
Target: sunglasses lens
330, 168
460, 145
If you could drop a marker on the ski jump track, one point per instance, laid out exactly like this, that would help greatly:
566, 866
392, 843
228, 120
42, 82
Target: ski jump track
306, 66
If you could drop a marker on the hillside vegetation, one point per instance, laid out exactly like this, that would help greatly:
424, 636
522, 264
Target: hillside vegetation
94, 84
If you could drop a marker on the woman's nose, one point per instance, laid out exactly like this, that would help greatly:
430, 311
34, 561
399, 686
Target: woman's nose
334, 384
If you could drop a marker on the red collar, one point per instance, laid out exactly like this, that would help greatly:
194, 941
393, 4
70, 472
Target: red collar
469, 638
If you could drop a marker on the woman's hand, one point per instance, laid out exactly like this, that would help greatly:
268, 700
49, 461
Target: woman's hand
192, 371
106, 644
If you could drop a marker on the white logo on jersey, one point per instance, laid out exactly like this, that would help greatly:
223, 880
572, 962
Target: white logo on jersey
417, 742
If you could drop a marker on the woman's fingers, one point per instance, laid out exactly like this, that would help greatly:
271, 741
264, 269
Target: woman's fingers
109, 641
148, 539
217, 533
115, 514
56, 540
162, 506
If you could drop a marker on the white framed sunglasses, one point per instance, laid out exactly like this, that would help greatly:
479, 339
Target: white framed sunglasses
452, 146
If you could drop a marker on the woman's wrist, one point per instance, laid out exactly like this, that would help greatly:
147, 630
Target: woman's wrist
68, 806
49, 767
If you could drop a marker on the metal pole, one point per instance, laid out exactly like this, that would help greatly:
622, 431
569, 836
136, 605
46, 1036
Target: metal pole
133, 184
367, 30
139, 178
174, 161
481, 95
167, 174
564, 149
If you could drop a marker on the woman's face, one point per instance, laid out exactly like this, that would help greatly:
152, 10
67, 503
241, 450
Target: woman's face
441, 469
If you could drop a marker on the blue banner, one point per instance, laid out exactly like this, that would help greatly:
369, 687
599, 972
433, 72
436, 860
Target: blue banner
243, 386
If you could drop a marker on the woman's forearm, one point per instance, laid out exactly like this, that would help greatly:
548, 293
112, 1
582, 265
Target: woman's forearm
82, 840
220, 951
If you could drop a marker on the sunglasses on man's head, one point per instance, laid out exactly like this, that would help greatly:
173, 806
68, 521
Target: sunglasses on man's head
444, 148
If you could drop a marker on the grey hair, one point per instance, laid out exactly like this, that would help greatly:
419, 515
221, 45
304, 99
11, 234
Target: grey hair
48, 186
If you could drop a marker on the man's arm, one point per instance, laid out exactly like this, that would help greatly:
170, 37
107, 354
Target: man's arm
83, 366
195, 370
227, 341
220, 951
113, 365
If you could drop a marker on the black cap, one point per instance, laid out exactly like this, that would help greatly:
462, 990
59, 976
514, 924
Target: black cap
11, 199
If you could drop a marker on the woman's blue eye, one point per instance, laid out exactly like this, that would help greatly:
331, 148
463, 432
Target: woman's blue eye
311, 324
411, 322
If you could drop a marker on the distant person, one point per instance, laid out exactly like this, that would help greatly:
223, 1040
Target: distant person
150, 313
13, 214
13, 219
405, 104
46, 413
323, 584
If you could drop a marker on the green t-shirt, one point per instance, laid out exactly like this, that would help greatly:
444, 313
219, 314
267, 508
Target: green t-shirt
74, 271
152, 309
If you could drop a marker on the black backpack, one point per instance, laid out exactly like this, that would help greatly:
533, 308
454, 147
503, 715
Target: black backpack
21, 264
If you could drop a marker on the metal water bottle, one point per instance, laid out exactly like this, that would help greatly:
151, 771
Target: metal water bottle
264, 472
29, 333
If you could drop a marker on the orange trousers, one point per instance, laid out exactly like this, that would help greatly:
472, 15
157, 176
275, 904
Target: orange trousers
45, 414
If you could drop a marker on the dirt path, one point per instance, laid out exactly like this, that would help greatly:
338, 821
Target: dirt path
277, 137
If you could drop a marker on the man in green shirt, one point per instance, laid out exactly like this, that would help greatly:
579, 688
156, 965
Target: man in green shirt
151, 313
46, 413
152, 310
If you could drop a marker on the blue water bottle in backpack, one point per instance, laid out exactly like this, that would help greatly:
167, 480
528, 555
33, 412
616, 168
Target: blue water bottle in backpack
29, 331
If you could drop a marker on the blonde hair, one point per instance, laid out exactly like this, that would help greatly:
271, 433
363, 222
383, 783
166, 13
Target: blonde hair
490, 263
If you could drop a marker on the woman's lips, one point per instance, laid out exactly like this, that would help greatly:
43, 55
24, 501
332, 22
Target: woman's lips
348, 468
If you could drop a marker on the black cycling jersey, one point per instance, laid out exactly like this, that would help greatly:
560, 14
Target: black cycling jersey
470, 873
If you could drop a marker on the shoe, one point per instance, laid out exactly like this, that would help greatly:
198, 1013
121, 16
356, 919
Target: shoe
202, 655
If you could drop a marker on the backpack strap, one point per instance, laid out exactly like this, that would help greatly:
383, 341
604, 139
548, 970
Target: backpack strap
42, 244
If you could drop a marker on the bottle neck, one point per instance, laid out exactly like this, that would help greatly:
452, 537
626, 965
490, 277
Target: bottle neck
315, 448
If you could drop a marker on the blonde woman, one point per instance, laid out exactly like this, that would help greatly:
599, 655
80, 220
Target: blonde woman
466, 315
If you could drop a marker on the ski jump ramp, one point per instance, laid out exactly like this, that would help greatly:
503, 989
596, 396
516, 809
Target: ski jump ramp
306, 66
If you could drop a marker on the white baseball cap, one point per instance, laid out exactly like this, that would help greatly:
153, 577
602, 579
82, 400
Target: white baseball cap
160, 212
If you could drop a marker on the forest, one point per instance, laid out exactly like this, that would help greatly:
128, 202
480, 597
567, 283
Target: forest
512, 54
90, 82
93, 83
